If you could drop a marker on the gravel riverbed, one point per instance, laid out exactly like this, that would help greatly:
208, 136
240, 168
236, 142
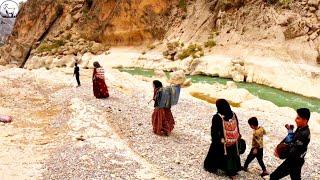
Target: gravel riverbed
63, 132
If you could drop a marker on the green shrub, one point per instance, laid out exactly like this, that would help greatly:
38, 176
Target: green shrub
45, 47
210, 43
191, 51
283, 2
182, 5
151, 46
173, 45
213, 34
85, 11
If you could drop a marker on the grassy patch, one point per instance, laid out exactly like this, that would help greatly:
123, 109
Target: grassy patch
173, 45
211, 40
193, 50
285, 2
45, 47
210, 43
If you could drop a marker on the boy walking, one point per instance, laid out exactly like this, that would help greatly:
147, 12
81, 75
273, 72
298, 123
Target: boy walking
257, 146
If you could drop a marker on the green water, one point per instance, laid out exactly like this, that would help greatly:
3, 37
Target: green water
278, 97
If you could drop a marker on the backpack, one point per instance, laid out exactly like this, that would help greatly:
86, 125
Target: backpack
175, 93
230, 137
231, 131
169, 96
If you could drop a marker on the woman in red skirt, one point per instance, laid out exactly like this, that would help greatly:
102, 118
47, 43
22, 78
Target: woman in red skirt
162, 119
100, 89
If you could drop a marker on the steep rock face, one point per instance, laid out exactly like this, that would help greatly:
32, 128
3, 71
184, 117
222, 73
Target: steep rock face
125, 22
56, 27
33, 21
262, 28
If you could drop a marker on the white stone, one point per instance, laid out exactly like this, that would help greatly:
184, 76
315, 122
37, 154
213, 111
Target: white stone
177, 77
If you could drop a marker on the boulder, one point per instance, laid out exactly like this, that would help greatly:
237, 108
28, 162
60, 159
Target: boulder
296, 29
34, 63
187, 83
313, 3
194, 63
159, 74
231, 85
85, 60
177, 77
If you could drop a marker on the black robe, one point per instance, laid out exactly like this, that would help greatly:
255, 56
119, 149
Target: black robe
216, 159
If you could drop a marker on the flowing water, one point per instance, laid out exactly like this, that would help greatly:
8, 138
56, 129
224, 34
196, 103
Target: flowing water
277, 96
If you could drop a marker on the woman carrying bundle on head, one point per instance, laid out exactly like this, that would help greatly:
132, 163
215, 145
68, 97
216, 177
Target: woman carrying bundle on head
100, 89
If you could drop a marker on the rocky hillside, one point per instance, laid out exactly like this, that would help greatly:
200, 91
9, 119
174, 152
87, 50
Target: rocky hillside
284, 29
53, 27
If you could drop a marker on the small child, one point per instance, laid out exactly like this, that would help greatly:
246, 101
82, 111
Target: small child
257, 146
290, 136
282, 149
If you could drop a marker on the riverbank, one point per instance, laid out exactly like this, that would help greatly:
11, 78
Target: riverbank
282, 74
278, 97
115, 138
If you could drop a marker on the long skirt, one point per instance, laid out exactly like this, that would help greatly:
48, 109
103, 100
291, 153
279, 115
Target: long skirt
162, 121
100, 89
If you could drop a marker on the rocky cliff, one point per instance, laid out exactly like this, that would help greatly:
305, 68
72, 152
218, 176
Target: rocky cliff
78, 26
281, 28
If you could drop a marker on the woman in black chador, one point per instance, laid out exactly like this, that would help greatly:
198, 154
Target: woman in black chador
223, 153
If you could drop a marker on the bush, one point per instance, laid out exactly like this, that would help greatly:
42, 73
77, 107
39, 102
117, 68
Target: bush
210, 43
182, 5
192, 50
151, 46
173, 45
45, 47
283, 2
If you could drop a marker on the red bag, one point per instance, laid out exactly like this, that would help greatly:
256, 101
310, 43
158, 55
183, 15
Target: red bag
5, 119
